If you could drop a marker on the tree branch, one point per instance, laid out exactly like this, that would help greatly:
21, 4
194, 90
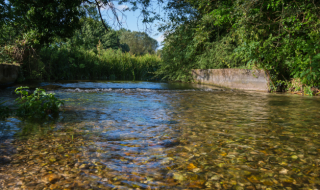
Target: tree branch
87, 1
104, 24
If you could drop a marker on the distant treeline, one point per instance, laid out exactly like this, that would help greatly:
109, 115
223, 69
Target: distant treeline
94, 53
91, 52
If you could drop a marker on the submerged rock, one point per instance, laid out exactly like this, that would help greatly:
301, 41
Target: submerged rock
179, 177
123, 135
171, 143
50, 178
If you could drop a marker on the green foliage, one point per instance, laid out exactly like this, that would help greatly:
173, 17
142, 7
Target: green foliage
92, 53
308, 91
91, 32
81, 63
283, 38
26, 26
39, 104
296, 86
12, 45
200, 42
139, 43
279, 36
88, 52
178, 55
42, 20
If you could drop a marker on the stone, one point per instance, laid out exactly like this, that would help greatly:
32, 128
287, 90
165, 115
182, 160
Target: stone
283, 171
50, 178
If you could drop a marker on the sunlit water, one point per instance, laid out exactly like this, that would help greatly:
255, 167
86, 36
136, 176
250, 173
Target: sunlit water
122, 135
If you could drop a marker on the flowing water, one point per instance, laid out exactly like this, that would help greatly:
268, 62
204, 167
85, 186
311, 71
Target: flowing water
146, 135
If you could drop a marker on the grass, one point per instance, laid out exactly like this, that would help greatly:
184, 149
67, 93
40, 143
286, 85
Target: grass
56, 63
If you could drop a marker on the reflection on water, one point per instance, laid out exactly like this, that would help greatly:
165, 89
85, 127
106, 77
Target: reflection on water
166, 138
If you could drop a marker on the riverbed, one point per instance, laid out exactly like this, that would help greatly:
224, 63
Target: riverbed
153, 135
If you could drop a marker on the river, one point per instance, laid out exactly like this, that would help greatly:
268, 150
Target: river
152, 135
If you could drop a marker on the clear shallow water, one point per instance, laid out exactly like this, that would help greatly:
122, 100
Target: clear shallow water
166, 137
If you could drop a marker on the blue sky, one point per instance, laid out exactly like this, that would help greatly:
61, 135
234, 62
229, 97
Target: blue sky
130, 20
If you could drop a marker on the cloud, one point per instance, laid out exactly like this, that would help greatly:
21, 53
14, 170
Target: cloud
110, 4
107, 7
122, 7
160, 39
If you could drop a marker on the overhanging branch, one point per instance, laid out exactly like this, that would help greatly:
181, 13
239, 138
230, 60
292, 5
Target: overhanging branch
104, 24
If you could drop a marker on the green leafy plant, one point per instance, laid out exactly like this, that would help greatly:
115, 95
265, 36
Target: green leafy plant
308, 91
39, 104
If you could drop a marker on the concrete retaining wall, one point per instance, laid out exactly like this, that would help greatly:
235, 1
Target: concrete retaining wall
243, 79
8, 74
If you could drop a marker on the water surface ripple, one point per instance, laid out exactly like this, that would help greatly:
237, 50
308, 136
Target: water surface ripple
166, 136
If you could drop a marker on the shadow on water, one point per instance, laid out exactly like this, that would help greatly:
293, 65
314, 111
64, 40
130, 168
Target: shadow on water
165, 138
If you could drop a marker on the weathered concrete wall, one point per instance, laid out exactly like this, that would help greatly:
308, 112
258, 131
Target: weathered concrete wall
243, 79
8, 74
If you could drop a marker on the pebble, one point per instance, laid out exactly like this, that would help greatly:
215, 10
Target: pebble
50, 178
283, 171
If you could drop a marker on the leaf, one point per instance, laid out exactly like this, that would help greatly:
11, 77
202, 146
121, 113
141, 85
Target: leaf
316, 57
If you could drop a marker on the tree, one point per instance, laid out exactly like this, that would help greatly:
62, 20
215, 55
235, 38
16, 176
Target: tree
3, 10
42, 20
93, 31
139, 43
279, 36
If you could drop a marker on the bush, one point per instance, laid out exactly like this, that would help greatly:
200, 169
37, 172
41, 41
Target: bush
64, 63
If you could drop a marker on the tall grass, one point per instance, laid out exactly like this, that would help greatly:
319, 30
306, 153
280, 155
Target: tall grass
64, 63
